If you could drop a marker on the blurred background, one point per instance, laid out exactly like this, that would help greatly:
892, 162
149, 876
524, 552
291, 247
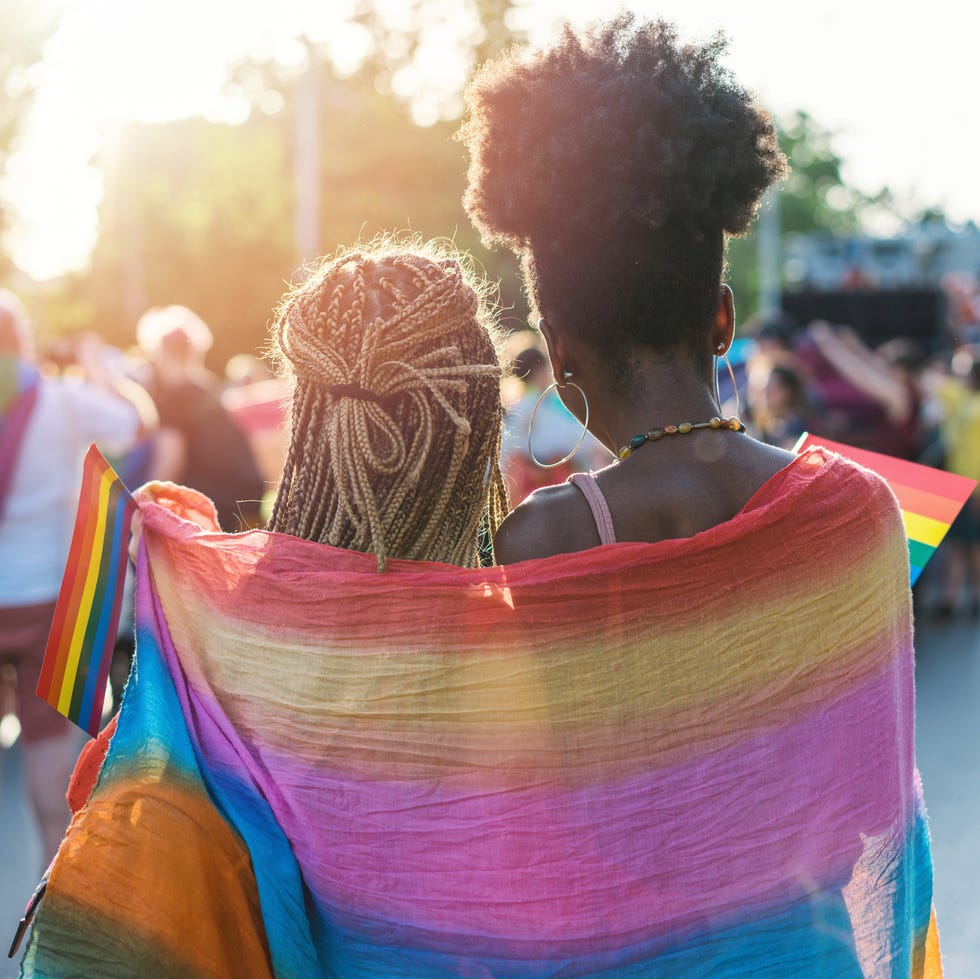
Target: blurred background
199, 154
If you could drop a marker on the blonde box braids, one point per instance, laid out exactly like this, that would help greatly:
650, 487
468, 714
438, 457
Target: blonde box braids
396, 420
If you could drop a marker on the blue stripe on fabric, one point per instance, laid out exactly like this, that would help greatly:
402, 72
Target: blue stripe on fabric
912, 904
282, 895
151, 726
810, 940
158, 725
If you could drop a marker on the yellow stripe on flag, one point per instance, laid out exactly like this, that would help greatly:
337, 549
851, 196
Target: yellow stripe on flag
85, 605
924, 529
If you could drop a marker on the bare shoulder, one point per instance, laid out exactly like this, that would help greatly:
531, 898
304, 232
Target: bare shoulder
767, 460
552, 520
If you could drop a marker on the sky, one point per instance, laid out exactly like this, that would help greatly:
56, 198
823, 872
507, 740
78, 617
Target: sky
897, 90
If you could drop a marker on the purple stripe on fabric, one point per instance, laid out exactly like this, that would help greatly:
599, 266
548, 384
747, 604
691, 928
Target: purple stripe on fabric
758, 824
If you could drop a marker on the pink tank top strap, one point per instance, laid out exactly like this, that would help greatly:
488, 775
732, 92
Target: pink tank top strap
597, 504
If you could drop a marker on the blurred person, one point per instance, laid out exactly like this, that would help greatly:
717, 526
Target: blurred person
772, 347
258, 403
780, 413
774, 334
198, 444
959, 394
243, 370
541, 424
934, 372
962, 292
46, 425
873, 393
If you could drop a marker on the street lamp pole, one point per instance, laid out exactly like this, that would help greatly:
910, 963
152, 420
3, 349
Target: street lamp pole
770, 279
306, 172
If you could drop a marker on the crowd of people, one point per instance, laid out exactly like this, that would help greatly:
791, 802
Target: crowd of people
158, 414
899, 398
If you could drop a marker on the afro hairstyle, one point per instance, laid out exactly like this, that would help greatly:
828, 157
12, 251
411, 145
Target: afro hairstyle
615, 163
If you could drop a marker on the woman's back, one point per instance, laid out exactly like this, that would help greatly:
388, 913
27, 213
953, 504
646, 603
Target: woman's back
676, 495
616, 163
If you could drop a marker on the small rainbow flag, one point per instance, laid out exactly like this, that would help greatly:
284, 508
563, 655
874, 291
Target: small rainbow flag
930, 498
83, 632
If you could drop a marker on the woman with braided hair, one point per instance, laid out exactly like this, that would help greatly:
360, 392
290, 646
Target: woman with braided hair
396, 419
396, 415
394, 451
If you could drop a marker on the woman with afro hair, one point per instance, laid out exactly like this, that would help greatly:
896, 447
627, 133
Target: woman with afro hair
616, 163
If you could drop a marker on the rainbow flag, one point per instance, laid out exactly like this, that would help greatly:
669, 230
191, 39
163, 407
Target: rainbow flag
689, 758
930, 498
83, 631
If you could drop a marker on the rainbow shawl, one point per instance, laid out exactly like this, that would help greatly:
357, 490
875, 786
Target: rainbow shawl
691, 758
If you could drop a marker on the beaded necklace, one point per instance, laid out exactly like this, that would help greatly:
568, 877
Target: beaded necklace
732, 424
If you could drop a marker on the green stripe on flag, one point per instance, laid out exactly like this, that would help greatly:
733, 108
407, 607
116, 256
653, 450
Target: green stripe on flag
919, 553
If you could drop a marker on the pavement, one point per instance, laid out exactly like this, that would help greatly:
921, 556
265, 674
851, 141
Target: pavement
948, 745
948, 751
20, 853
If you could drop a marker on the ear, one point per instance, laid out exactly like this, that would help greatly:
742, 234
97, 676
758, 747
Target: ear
723, 331
556, 351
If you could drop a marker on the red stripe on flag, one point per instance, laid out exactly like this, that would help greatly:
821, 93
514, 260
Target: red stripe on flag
72, 579
940, 508
914, 475
73, 584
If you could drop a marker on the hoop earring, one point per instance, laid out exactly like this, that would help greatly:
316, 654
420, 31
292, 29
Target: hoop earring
530, 425
731, 373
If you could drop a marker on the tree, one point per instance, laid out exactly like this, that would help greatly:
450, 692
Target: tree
24, 26
813, 198
469, 33
202, 214
194, 213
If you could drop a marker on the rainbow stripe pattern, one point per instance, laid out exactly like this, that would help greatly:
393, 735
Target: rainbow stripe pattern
930, 498
691, 758
83, 631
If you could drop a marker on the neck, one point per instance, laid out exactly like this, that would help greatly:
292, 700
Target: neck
661, 392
